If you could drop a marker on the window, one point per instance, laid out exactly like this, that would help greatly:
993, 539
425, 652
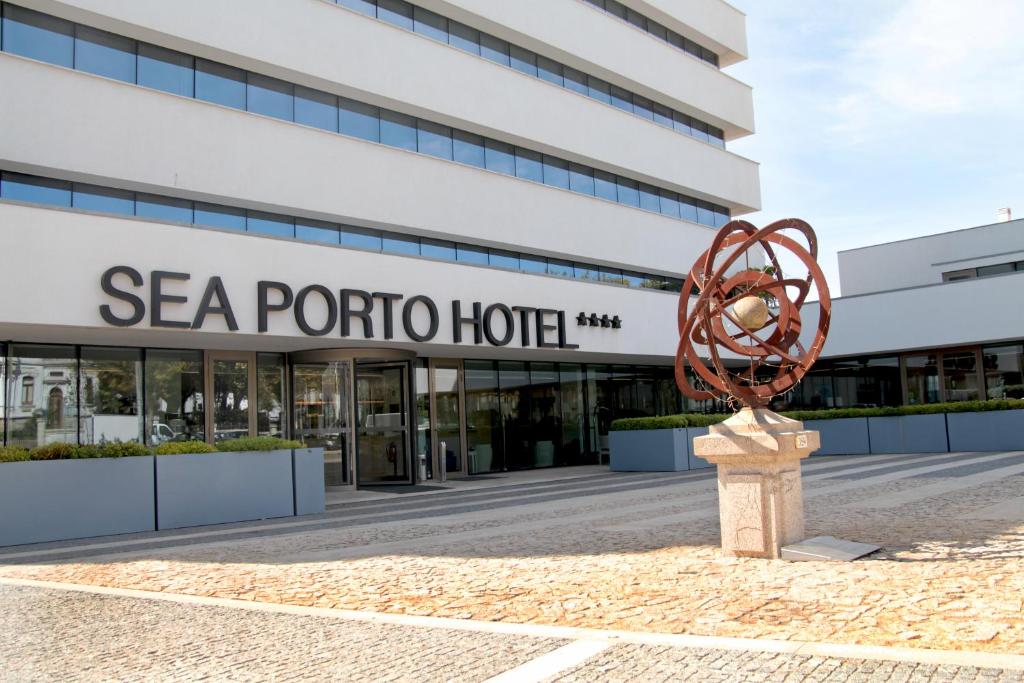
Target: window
957, 275
174, 396
270, 97
359, 120
269, 224
110, 404
469, 149
219, 217
39, 36
705, 213
549, 70
361, 238
922, 379
25, 188
398, 130
397, 12
688, 209
465, 253
681, 122
28, 390
583, 271
105, 200
575, 80
669, 204
401, 244
1004, 371
316, 231
438, 249
220, 84
628, 192
523, 60
49, 409
315, 108
643, 107
500, 157
104, 54
532, 264
998, 269
556, 172
529, 165
599, 90
560, 268
434, 139
504, 259
581, 179
605, 186
612, 275
494, 49
650, 198
960, 376
368, 7
163, 208
621, 98
166, 70
464, 37
430, 24
662, 115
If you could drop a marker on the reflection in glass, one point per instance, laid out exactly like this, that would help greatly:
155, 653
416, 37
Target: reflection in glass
545, 415
270, 97
359, 120
163, 208
381, 393
523, 60
573, 449
269, 224
438, 249
315, 108
434, 139
322, 392
220, 84
39, 36
469, 149
42, 386
464, 253
529, 165
504, 259
368, 7
166, 70
429, 24
500, 157
425, 463
922, 379
230, 399
483, 426
398, 130
26, 188
549, 70
316, 231
104, 54
270, 406
448, 417
464, 37
361, 238
216, 216
514, 382
605, 186
397, 12
401, 244
1004, 371
111, 384
494, 49
103, 199
960, 376
174, 396
581, 179
575, 80
556, 172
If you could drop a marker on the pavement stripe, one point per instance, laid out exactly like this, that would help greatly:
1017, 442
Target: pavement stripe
545, 666
891, 500
992, 660
1012, 509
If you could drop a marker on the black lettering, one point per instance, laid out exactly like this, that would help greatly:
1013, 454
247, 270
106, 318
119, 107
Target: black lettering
407, 318
215, 288
562, 343
300, 312
364, 314
510, 324
524, 322
157, 299
263, 287
543, 327
458, 321
138, 305
389, 322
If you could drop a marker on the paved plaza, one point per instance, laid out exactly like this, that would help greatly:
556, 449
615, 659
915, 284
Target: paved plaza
470, 581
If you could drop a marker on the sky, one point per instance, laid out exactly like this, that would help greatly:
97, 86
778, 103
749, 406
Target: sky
879, 120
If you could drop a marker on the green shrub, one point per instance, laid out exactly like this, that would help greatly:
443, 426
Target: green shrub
122, 449
88, 451
702, 420
54, 451
182, 447
13, 454
257, 443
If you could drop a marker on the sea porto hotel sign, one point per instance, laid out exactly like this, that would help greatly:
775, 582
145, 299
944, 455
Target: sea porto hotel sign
320, 311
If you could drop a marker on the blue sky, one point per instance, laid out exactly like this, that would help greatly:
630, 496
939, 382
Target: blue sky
885, 119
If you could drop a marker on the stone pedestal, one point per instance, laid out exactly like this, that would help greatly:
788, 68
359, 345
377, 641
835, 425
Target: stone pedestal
760, 498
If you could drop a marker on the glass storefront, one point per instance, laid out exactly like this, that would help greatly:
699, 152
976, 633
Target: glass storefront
321, 394
42, 383
175, 396
1004, 371
111, 381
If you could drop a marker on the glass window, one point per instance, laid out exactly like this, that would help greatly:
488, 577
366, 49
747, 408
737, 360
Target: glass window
401, 244
166, 70
721, 216
681, 122
464, 37
104, 54
621, 98
556, 172
633, 279
650, 198
669, 203
688, 208
368, 7
605, 186
316, 231
613, 275
717, 136
163, 208
430, 24
361, 238
397, 12
549, 70
615, 8
599, 90
27, 188
271, 414
469, 149
514, 383
269, 224
573, 450
359, 120
106, 200
545, 428
657, 30
220, 84
494, 49
559, 268
438, 249
583, 271
643, 107
637, 19
922, 379
434, 140
504, 259
523, 60
215, 216
35, 35
484, 440
465, 253
628, 191
960, 376
581, 179
575, 80
532, 264
315, 108
270, 97
398, 130
662, 115
997, 269
42, 385
500, 157
700, 130
174, 396
529, 165
957, 275
111, 385
1004, 371
705, 215
691, 47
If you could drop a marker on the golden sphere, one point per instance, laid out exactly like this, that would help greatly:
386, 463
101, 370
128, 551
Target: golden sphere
751, 311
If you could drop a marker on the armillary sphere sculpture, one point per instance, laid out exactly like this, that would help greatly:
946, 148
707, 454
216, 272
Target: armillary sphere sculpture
754, 312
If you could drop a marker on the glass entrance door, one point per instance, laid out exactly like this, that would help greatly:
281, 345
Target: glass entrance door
322, 400
448, 424
382, 416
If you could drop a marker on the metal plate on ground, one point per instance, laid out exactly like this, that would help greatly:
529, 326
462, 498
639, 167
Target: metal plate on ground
827, 548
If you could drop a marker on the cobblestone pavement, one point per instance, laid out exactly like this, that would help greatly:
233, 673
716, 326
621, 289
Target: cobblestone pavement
627, 551
58, 635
